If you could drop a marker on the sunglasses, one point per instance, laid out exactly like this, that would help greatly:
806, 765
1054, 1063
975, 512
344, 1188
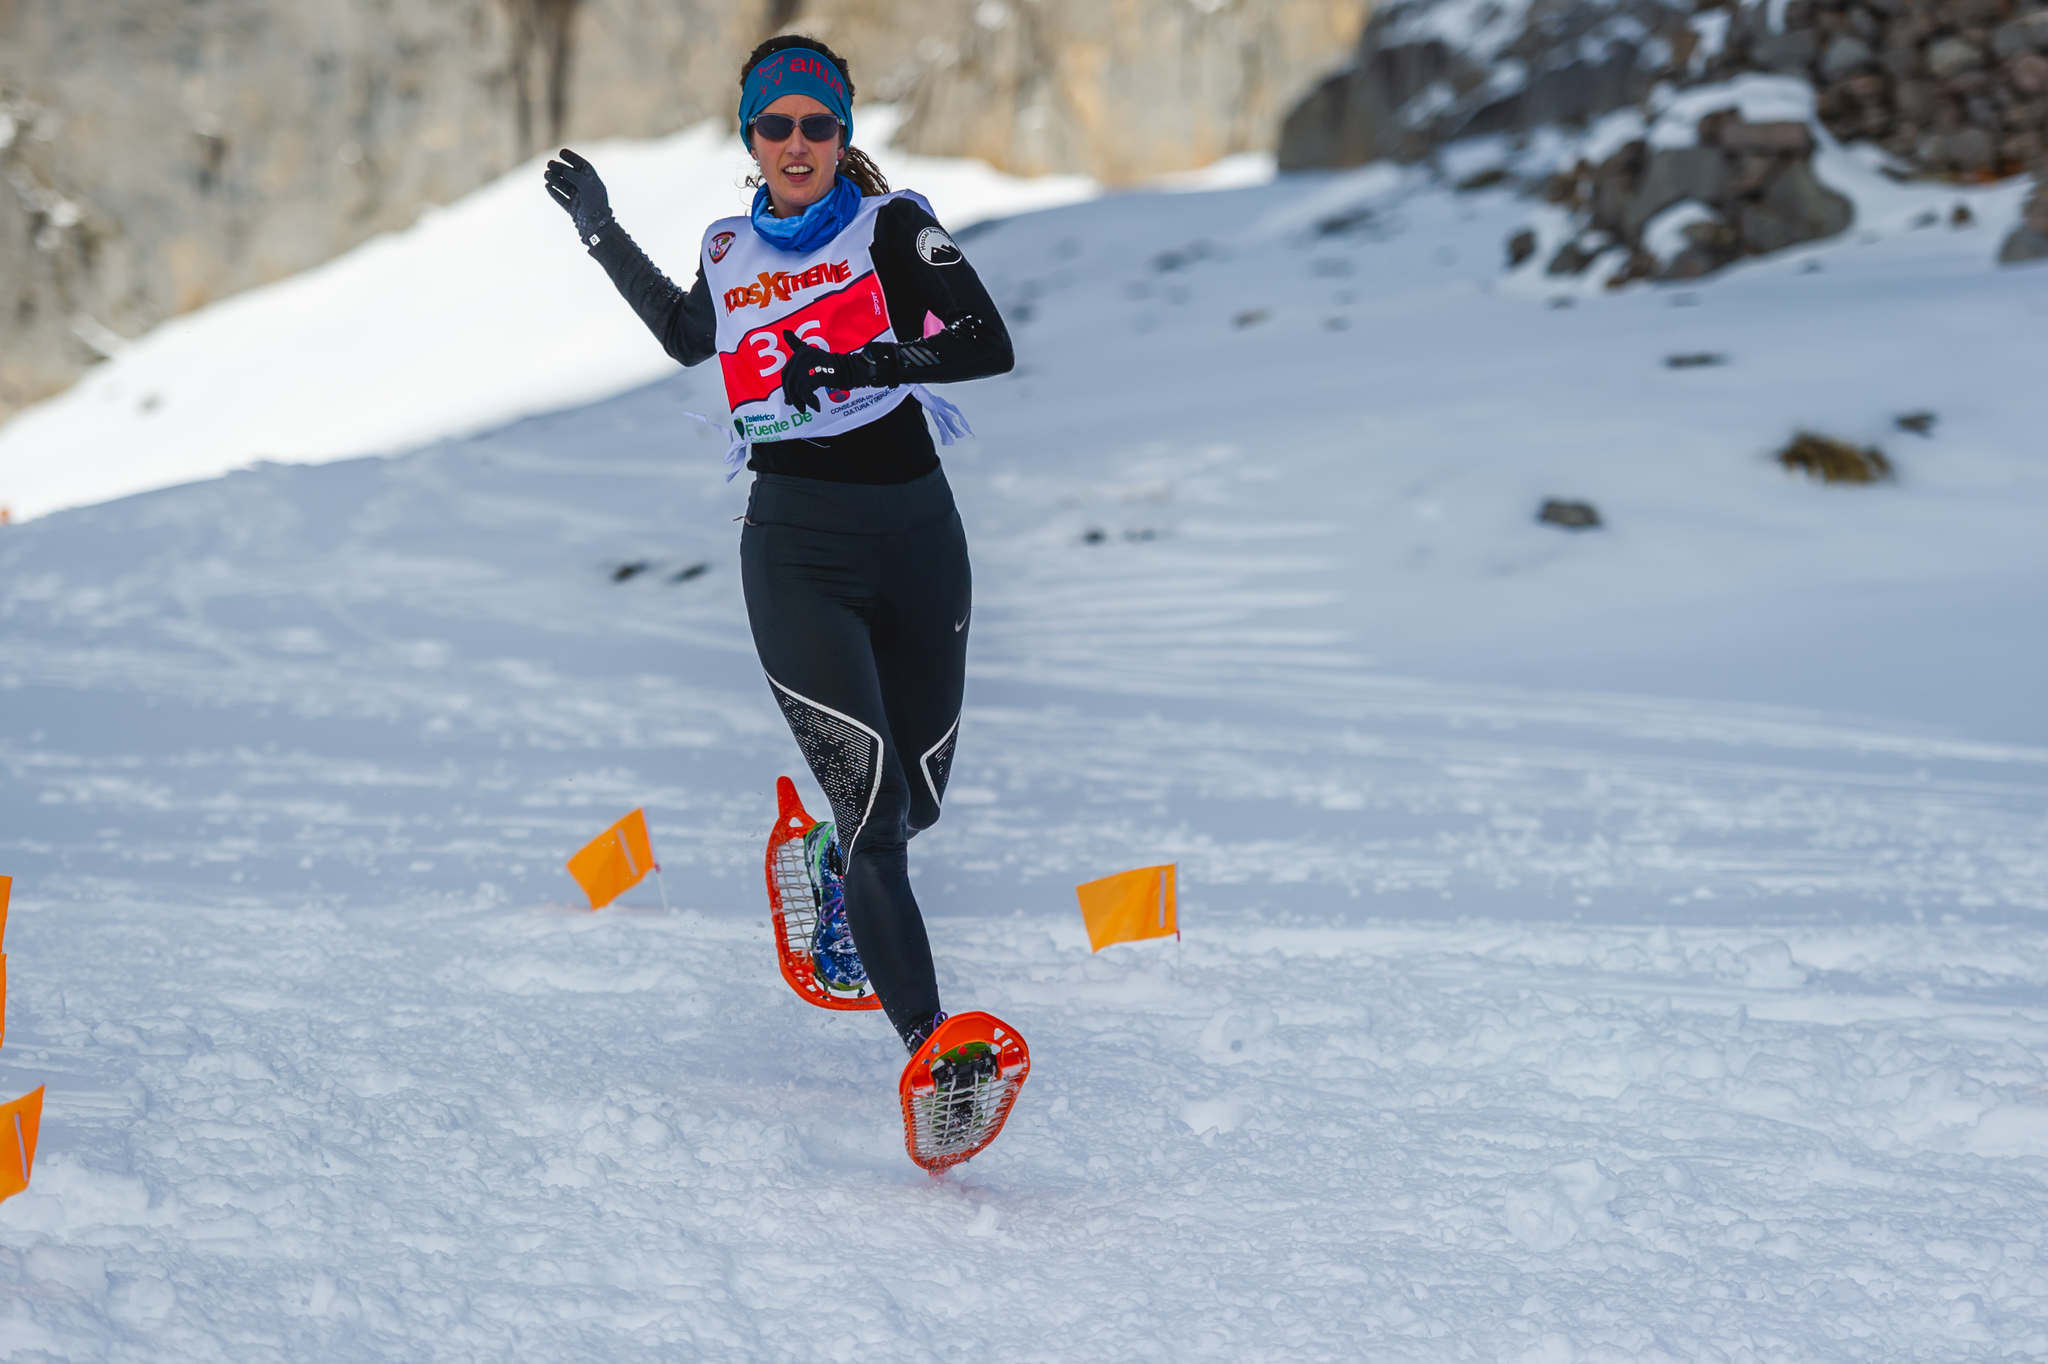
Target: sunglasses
778, 127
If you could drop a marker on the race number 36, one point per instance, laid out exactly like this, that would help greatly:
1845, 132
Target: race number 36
773, 355
842, 321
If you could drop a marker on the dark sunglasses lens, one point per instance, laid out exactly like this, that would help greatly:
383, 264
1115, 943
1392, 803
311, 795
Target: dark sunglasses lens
778, 127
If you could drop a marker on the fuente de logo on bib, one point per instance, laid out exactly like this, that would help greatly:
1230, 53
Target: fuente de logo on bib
781, 285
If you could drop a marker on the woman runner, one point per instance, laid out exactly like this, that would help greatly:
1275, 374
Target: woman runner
829, 306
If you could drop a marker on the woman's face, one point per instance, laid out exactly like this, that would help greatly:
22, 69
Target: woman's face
799, 172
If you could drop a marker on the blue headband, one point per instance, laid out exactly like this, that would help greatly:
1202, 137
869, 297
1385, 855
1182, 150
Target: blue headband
795, 71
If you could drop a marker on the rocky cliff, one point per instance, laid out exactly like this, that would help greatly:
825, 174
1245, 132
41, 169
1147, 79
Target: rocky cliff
1947, 88
157, 155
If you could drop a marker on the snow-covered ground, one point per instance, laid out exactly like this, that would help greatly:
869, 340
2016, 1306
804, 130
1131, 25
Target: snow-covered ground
1610, 946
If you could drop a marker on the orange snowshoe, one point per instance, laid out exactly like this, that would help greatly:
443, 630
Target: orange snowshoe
795, 900
959, 1087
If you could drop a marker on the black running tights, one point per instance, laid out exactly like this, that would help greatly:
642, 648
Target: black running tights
858, 595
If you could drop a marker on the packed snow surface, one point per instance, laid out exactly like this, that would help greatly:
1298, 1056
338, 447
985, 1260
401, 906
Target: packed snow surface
1623, 945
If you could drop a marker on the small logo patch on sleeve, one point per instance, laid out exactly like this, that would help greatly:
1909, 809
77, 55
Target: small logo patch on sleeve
721, 244
934, 247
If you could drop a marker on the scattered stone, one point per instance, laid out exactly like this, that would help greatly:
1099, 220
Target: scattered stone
1795, 207
1919, 423
1947, 57
1782, 138
1700, 359
1694, 262
1336, 324
1142, 535
684, 575
1846, 55
1521, 246
1570, 515
1571, 259
1673, 176
630, 570
1094, 535
1970, 150
1560, 303
1788, 53
1961, 216
1925, 218
1181, 258
1485, 179
2030, 73
1250, 317
1350, 220
1834, 461
2025, 244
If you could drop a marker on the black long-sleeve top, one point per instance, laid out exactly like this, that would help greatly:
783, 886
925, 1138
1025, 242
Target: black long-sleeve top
896, 447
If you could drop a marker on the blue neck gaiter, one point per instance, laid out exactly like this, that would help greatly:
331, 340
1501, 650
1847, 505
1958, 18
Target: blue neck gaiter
815, 226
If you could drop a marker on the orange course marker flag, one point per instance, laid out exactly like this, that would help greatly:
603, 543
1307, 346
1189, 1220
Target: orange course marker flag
20, 1121
612, 863
3, 999
1129, 906
6, 889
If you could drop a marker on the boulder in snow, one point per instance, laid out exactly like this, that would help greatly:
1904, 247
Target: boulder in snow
1834, 461
1569, 515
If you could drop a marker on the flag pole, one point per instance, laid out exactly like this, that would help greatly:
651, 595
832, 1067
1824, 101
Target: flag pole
663, 886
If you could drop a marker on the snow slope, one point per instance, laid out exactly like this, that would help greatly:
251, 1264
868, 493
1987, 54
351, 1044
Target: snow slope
1616, 946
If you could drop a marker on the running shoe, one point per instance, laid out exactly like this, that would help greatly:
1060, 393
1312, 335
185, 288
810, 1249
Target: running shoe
963, 1080
832, 952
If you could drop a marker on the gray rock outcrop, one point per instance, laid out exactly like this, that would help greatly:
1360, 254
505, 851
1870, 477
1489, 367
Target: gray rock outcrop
156, 157
1752, 184
1411, 88
2028, 241
1948, 87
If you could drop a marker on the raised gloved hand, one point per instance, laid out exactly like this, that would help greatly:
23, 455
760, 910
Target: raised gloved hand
574, 184
810, 369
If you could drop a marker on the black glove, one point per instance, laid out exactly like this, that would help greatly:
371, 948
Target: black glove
810, 369
574, 183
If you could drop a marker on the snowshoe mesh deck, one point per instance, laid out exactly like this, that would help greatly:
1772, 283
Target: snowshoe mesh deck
986, 1062
793, 907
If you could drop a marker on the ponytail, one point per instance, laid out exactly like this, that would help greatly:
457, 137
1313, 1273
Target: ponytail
865, 174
